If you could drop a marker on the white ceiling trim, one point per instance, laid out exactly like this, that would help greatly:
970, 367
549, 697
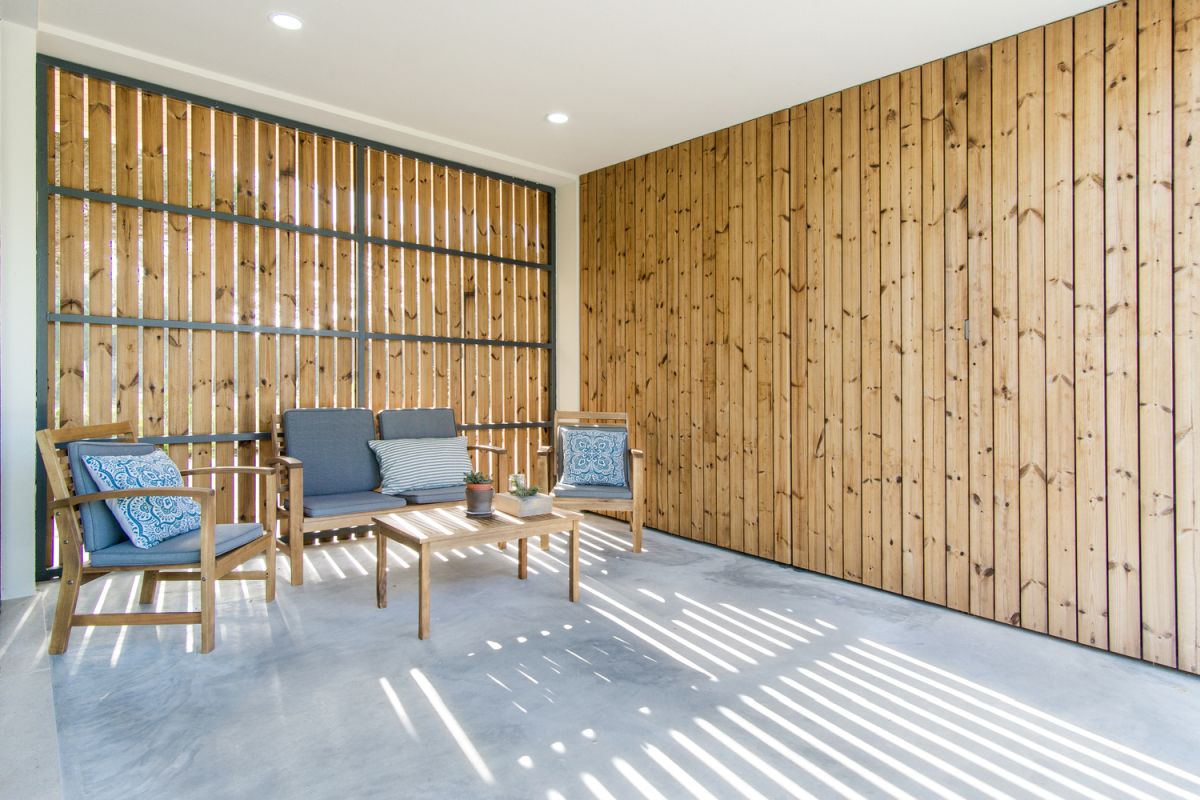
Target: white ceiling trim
63, 43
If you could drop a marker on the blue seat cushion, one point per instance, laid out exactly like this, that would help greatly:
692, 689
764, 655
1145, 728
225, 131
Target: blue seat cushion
100, 527
332, 443
332, 505
444, 494
417, 423
181, 549
569, 490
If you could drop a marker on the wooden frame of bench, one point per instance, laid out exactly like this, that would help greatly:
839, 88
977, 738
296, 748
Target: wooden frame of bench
290, 505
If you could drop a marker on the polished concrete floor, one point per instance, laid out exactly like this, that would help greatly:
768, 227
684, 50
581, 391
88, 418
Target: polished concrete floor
685, 671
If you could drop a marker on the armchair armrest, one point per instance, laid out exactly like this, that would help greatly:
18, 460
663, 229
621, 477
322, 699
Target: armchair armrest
635, 453
287, 462
200, 493
228, 471
489, 448
545, 450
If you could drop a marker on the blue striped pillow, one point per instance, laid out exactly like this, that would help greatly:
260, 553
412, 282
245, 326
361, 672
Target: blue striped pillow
407, 465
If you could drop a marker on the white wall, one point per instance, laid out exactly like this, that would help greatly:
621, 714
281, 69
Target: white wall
18, 299
566, 333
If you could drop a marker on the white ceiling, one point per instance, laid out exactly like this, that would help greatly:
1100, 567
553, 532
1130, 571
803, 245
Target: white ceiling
635, 75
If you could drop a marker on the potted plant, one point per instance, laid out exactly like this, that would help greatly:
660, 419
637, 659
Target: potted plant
479, 493
525, 501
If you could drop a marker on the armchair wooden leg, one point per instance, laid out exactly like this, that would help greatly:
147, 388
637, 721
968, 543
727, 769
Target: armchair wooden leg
68, 596
296, 555
149, 586
208, 614
271, 556
208, 576
545, 541
635, 525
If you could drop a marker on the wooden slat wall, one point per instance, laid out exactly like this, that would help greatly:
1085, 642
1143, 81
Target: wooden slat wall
936, 333
116, 259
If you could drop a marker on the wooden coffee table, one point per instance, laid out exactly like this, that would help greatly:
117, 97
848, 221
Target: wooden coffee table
429, 530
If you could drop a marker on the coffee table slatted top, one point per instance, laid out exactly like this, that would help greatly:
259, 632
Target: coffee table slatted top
451, 527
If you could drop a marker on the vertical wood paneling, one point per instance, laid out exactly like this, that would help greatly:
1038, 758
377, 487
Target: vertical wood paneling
153, 267
763, 345
979, 330
851, 487
178, 280
933, 330
890, 327
833, 234
1060, 355
872, 424
727, 305
799, 333
1187, 327
1005, 387
72, 268
1031, 325
780, 334
747, 344
958, 440
1121, 326
99, 266
1156, 423
911, 381
1091, 475
202, 389
939, 333
815, 266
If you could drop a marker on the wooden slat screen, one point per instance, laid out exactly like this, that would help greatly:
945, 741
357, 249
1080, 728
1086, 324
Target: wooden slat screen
937, 333
164, 212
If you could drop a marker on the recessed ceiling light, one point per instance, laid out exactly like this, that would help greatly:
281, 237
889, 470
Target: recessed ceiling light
288, 22
557, 117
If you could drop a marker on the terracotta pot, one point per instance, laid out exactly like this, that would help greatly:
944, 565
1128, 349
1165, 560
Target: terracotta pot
479, 498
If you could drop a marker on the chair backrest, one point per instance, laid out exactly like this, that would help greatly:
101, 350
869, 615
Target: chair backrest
417, 423
589, 419
332, 443
90, 526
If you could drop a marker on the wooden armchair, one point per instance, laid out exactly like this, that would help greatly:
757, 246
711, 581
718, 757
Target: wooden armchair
329, 477
84, 524
628, 498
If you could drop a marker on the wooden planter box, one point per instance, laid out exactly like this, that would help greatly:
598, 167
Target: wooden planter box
523, 506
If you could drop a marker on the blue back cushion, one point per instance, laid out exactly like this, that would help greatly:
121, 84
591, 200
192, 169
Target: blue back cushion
559, 448
417, 423
332, 443
100, 528
147, 521
594, 455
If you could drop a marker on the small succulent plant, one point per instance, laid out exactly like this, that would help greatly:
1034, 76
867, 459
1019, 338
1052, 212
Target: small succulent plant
524, 491
476, 478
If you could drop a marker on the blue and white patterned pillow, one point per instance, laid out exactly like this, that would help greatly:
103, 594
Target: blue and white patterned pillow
147, 521
406, 465
594, 456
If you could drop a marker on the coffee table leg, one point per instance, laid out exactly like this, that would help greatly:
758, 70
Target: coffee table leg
523, 558
423, 595
574, 589
381, 567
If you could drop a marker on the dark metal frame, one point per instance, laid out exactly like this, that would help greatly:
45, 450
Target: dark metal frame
45, 317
